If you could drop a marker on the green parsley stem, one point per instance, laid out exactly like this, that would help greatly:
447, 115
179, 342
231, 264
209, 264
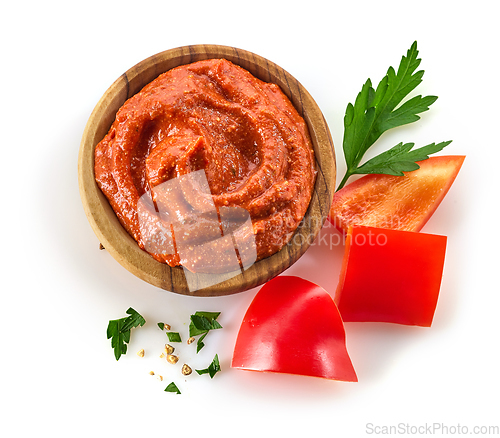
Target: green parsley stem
344, 180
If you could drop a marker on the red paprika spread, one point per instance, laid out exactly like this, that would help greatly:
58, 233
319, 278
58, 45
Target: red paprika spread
216, 117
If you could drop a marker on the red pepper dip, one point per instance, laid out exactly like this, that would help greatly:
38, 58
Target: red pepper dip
212, 115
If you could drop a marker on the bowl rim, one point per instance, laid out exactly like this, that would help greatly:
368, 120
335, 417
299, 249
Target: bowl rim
123, 247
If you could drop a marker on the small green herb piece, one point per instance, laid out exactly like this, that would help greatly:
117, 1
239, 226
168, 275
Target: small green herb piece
376, 111
119, 339
172, 387
119, 331
161, 325
174, 337
201, 323
200, 344
212, 369
132, 321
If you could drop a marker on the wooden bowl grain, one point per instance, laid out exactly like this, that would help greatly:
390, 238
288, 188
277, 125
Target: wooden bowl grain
120, 244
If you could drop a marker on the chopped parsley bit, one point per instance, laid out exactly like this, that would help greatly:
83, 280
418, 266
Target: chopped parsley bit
212, 369
119, 331
200, 344
174, 337
161, 325
172, 387
201, 324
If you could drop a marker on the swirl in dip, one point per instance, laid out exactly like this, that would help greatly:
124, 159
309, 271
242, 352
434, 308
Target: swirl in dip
214, 116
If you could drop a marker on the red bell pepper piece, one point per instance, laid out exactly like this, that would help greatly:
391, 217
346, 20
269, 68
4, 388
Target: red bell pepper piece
293, 326
390, 276
395, 202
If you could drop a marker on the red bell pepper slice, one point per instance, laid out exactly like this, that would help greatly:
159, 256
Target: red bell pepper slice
395, 202
293, 326
390, 276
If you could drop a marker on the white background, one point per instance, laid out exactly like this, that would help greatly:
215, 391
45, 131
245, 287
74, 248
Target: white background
59, 375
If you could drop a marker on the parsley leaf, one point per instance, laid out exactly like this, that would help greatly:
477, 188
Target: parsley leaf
119, 340
401, 158
119, 331
212, 369
376, 111
201, 323
134, 320
172, 387
174, 337
200, 344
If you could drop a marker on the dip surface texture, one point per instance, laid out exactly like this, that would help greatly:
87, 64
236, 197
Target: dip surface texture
214, 116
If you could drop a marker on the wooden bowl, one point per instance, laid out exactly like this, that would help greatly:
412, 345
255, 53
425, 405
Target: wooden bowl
120, 244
